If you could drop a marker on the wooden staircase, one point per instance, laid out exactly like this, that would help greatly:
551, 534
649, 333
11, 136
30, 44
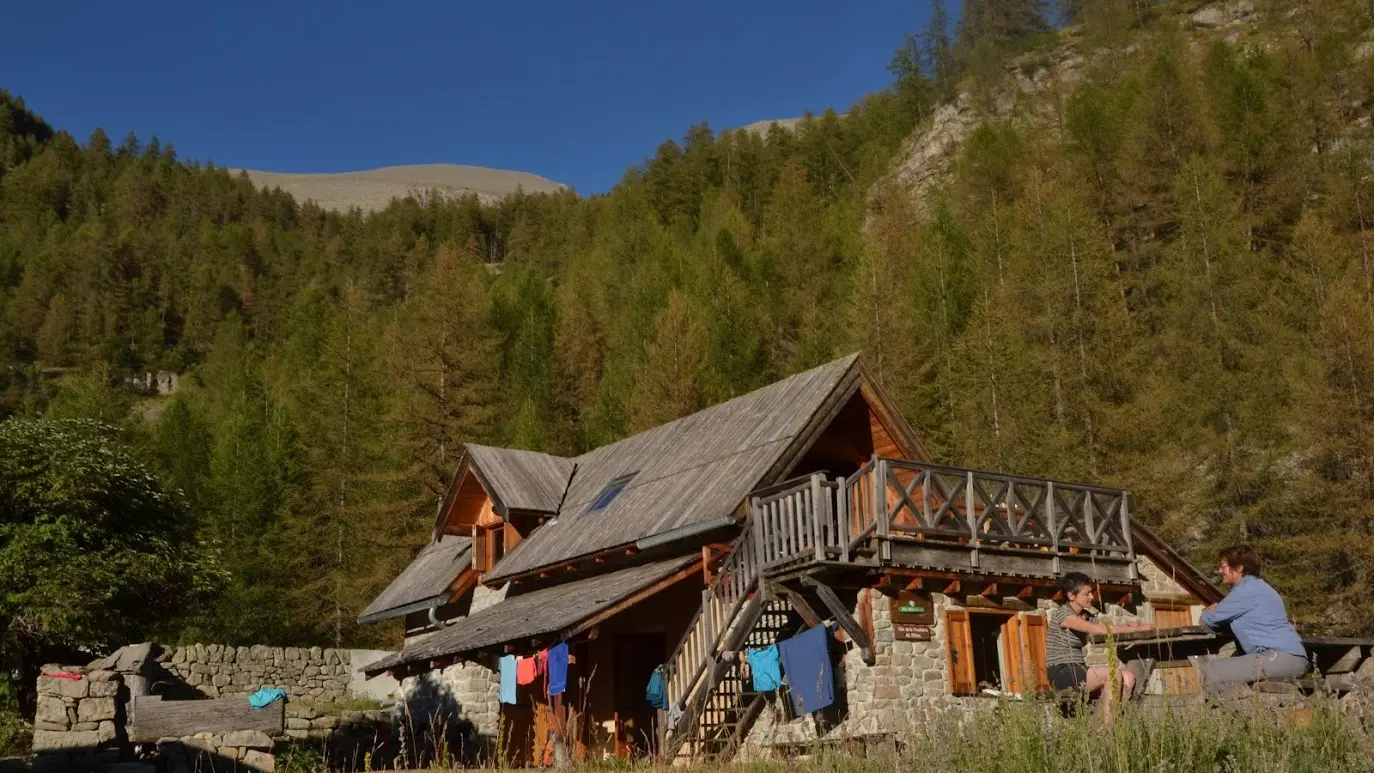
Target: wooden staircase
890, 512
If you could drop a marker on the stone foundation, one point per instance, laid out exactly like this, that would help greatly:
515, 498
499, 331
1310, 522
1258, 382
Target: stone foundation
908, 686
80, 719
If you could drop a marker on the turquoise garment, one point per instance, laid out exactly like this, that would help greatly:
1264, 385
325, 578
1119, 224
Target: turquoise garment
508, 679
763, 664
265, 697
656, 694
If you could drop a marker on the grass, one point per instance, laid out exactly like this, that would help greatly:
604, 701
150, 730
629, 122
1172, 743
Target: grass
1026, 737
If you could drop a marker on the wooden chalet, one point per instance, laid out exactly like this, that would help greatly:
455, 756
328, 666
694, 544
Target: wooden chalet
805, 501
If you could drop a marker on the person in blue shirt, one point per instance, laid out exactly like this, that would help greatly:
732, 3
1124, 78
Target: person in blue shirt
1267, 644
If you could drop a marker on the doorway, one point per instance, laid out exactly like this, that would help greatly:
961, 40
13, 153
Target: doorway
636, 656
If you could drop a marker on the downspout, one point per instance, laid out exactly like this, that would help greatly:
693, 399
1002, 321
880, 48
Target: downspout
685, 532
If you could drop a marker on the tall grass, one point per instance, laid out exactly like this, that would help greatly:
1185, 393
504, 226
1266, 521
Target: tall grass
1018, 737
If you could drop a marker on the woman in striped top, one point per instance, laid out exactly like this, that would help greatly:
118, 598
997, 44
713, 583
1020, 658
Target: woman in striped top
1070, 624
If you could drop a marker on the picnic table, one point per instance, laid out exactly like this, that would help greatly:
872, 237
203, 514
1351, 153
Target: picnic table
1334, 658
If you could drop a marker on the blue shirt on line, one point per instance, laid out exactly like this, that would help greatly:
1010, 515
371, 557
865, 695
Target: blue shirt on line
1257, 618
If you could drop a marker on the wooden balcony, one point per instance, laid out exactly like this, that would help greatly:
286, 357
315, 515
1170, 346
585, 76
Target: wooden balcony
900, 513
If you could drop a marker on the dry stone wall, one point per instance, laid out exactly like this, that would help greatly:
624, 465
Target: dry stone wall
304, 673
79, 718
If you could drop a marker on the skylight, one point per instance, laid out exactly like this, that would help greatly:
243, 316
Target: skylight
612, 490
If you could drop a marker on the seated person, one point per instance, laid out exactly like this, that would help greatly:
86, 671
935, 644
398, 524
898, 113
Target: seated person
1268, 645
1069, 626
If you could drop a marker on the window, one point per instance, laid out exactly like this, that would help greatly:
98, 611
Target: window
993, 649
488, 545
608, 494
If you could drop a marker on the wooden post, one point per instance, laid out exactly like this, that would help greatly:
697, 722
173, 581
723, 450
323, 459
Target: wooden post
842, 516
926, 476
971, 517
818, 513
880, 522
1126, 533
760, 512
1049, 521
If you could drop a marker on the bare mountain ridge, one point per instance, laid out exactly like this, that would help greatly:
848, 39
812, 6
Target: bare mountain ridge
374, 189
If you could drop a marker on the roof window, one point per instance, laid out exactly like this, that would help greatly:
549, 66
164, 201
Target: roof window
612, 490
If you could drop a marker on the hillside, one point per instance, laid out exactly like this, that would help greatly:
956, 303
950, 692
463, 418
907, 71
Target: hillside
374, 189
1133, 250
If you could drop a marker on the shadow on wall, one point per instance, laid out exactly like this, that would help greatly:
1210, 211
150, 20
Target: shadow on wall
433, 731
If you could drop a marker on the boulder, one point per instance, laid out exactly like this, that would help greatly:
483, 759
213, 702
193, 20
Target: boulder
131, 658
250, 739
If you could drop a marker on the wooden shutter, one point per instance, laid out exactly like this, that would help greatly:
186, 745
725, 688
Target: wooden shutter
1014, 655
481, 557
959, 652
1033, 634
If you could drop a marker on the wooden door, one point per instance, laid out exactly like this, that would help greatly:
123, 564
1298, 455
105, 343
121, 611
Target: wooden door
1183, 679
959, 653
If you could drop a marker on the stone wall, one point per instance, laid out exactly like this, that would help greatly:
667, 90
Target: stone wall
466, 693
907, 686
79, 722
305, 673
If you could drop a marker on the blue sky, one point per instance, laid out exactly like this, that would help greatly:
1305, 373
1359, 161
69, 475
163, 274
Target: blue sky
574, 91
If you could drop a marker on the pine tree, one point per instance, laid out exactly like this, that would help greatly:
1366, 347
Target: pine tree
673, 381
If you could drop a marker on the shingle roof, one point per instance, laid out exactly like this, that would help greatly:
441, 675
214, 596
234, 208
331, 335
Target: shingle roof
522, 480
539, 612
689, 471
425, 582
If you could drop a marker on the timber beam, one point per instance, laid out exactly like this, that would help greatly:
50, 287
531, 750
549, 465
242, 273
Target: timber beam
798, 603
846, 620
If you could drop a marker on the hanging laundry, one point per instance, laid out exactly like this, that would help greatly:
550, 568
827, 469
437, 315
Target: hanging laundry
763, 664
525, 671
558, 668
657, 692
266, 696
805, 659
508, 679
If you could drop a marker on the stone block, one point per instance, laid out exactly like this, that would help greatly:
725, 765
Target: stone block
219, 680
178, 656
84, 726
248, 739
67, 688
260, 761
293, 653
96, 709
316, 653
296, 723
104, 689
100, 675
44, 740
59, 727
886, 692
51, 709
106, 731
232, 752
298, 733
922, 662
